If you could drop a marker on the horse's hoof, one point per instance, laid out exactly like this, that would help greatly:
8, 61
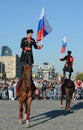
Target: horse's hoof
20, 121
27, 126
61, 106
68, 111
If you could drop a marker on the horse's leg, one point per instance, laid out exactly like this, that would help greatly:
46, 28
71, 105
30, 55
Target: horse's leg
20, 110
25, 105
70, 74
66, 104
28, 103
64, 74
68, 100
62, 95
61, 101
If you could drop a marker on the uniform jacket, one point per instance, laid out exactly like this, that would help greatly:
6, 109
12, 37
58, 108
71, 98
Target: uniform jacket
27, 56
69, 62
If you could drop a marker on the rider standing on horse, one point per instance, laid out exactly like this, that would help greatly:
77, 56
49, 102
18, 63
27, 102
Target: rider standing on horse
69, 64
26, 45
27, 54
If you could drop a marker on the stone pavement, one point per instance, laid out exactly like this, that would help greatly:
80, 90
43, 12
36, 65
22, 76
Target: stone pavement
45, 115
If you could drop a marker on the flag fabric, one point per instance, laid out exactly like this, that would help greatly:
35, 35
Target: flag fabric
64, 44
44, 27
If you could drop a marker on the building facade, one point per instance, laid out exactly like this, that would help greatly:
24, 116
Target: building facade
46, 72
12, 66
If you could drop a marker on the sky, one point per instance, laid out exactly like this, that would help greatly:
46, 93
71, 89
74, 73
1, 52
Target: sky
64, 16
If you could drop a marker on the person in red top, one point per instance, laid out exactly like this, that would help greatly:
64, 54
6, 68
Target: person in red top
68, 65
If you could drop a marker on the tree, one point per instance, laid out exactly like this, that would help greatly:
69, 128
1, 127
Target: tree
79, 76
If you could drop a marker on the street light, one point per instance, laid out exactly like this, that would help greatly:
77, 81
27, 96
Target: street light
1, 65
1, 68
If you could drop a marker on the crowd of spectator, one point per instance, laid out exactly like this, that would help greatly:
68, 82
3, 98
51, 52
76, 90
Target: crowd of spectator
44, 89
8, 89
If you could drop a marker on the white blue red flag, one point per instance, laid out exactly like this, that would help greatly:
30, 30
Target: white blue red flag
43, 27
64, 44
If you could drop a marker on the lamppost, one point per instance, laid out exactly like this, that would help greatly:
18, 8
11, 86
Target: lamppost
1, 65
1, 68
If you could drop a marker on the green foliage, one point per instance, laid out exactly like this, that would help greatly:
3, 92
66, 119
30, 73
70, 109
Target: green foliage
79, 76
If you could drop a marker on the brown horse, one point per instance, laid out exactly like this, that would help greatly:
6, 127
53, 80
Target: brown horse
67, 89
25, 94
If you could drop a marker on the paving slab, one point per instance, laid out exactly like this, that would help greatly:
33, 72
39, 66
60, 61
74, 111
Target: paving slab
45, 115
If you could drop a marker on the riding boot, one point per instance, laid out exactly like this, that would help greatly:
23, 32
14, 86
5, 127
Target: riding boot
33, 85
69, 75
64, 74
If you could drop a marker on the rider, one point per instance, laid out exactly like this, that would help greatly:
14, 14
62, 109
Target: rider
69, 64
27, 54
26, 45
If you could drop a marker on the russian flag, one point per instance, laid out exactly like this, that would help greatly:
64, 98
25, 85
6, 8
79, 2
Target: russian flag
64, 44
43, 27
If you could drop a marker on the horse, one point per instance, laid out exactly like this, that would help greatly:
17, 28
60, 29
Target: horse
25, 94
67, 90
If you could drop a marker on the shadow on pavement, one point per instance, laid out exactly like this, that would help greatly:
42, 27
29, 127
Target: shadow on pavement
78, 106
44, 117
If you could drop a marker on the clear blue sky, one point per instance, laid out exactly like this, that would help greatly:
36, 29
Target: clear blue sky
65, 17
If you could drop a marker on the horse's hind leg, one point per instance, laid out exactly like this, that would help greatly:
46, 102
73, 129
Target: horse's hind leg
68, 103
61, 101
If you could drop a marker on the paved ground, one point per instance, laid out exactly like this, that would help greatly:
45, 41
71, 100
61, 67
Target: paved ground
45, 115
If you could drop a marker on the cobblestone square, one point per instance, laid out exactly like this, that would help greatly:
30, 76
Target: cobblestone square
45, 115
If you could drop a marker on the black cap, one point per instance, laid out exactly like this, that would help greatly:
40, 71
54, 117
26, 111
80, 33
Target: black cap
29, 31
69, 52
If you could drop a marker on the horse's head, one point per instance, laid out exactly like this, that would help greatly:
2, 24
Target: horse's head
62, 80
69, 84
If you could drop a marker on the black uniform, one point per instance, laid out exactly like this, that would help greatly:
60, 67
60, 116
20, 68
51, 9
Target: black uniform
27, 56
68, 66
